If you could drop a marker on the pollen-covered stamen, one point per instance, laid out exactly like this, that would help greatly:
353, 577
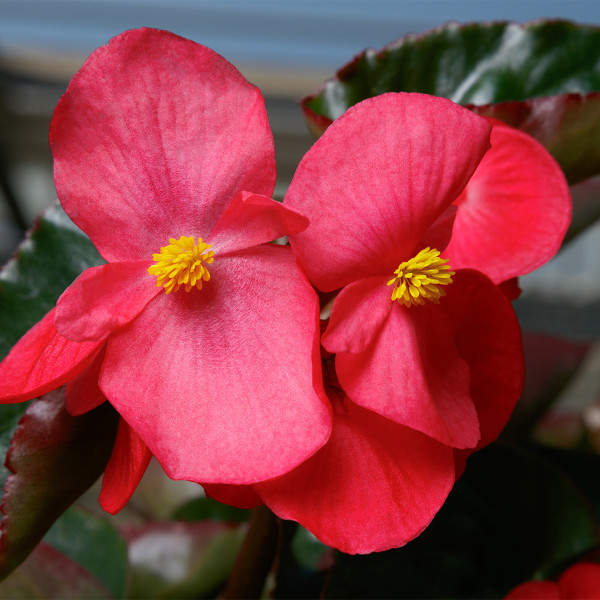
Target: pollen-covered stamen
182, 262
419, 278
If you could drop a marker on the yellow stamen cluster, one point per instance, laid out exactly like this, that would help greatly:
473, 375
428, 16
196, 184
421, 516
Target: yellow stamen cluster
417, 279
182, 262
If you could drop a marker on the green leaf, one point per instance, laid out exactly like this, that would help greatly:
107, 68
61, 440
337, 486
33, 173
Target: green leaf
53, 458
52, 256
542, 77
54, 253
50, 575
94, 544
511, 517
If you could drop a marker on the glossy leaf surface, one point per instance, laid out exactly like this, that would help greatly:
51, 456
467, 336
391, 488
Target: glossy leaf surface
542, 77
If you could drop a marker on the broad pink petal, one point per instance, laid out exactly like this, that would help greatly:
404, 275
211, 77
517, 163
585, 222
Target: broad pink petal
358, 313
489, 340
515, 210
128, 463
226, 371
413, 374
103, 299
153, 138
377, 180
375, 485
240, 496
83, 393
42, 360
252, 219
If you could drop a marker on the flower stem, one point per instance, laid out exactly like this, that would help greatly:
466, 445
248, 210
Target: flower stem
252, 565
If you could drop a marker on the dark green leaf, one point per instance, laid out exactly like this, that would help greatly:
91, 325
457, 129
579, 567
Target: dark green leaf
94, 544
53, 458
51, 257
512, 516
504, 70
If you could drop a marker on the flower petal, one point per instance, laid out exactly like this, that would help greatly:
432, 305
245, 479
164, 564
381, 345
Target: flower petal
42, 360
377, 180
413, 374
358, 313
252, 219
83, 393
515, 210
535, 590
227, 371
489, 340
153, 138
375, 485
240, 496
580, 582
103, 299
128, 463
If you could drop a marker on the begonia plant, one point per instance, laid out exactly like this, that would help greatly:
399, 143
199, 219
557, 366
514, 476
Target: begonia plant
340, 385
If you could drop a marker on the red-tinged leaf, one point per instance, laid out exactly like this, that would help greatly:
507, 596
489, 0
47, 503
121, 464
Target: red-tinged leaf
48, 574
182, 560
53, 458
542, 77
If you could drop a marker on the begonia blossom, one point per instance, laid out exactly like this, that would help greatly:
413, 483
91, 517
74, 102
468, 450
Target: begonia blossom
579, 582
428, 355
200, 333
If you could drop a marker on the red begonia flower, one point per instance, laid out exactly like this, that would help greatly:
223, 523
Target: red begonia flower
515, 210
377, 188
164, 157
579, 582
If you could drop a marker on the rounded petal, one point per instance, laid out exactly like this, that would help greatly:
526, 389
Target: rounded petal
414, 375
128, 463
375, 485
377, 180
535, 590
580, 582
103, 299
82, 393
252, 219
41, 361
240, 496
515, 210
153, 138
227, 371
488, 337
358, 313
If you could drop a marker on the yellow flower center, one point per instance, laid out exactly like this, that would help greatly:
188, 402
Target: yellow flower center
419, 278
182, 262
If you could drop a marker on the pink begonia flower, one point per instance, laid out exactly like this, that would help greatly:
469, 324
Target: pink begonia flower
163, 155
428, 360
579, 582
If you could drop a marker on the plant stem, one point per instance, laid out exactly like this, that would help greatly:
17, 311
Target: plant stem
252, 565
